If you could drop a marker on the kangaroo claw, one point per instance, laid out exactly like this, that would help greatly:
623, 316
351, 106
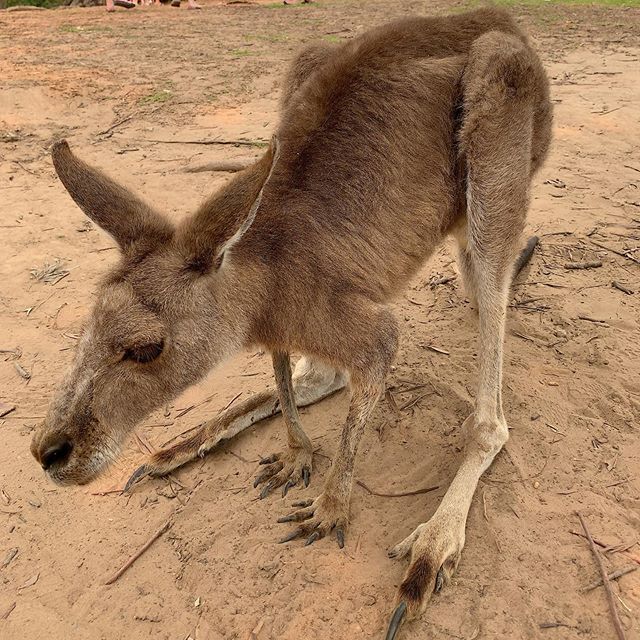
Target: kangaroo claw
396, 620
141, 472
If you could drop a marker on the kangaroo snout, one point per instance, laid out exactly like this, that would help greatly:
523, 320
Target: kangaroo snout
53, 450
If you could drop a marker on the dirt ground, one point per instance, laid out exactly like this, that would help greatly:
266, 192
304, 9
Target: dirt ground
131, 91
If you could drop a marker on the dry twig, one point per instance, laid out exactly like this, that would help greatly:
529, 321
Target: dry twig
115, 125
17, 352
604, 323
391, 401
588, 264
5, 409
164, 528
617, 285
228, 167
401, 494
231, 401
614, 575
22, 372
11, 554
413, 401
618, 253
436, 349
605, 579
606, 547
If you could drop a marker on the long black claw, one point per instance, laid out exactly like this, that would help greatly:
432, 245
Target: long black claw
396, 620
287, 486
266, 490
136, 476
302, 503
257, 481
306, 476
269, 459
340, 537
290, 518
312, 538
439, 580
292, 536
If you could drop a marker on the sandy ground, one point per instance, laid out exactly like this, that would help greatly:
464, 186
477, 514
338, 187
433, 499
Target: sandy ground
116, 85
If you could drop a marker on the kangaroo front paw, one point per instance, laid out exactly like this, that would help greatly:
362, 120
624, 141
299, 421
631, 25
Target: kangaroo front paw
285, 470
319, 517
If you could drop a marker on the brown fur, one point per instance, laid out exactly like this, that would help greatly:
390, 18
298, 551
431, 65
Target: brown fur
387, 143
418, 578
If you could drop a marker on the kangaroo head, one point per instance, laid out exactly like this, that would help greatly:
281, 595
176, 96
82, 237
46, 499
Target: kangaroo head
162, 319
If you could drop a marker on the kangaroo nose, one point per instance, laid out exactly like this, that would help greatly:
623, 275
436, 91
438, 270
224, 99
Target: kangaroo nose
55, 452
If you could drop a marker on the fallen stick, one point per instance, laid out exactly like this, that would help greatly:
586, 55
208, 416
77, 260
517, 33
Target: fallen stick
614, 575
231, 402
616, 285
618, 253
553, 625
413, 388
402, 494
589, 264
604, 113
525, 255
605, 579
391, 401
165, 527
6, 409
409, 403
594, 320
605, 546
228, 167
22, 372
115, 125
436, 349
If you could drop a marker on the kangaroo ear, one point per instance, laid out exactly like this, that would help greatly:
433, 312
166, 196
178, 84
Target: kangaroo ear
133, 223
221, 222
274, 150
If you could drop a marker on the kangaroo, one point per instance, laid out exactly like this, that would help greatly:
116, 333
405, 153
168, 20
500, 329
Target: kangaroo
413, 131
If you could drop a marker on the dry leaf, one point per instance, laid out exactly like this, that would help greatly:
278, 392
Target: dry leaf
30, 582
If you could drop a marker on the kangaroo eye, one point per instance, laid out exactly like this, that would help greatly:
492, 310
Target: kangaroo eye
145, 353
